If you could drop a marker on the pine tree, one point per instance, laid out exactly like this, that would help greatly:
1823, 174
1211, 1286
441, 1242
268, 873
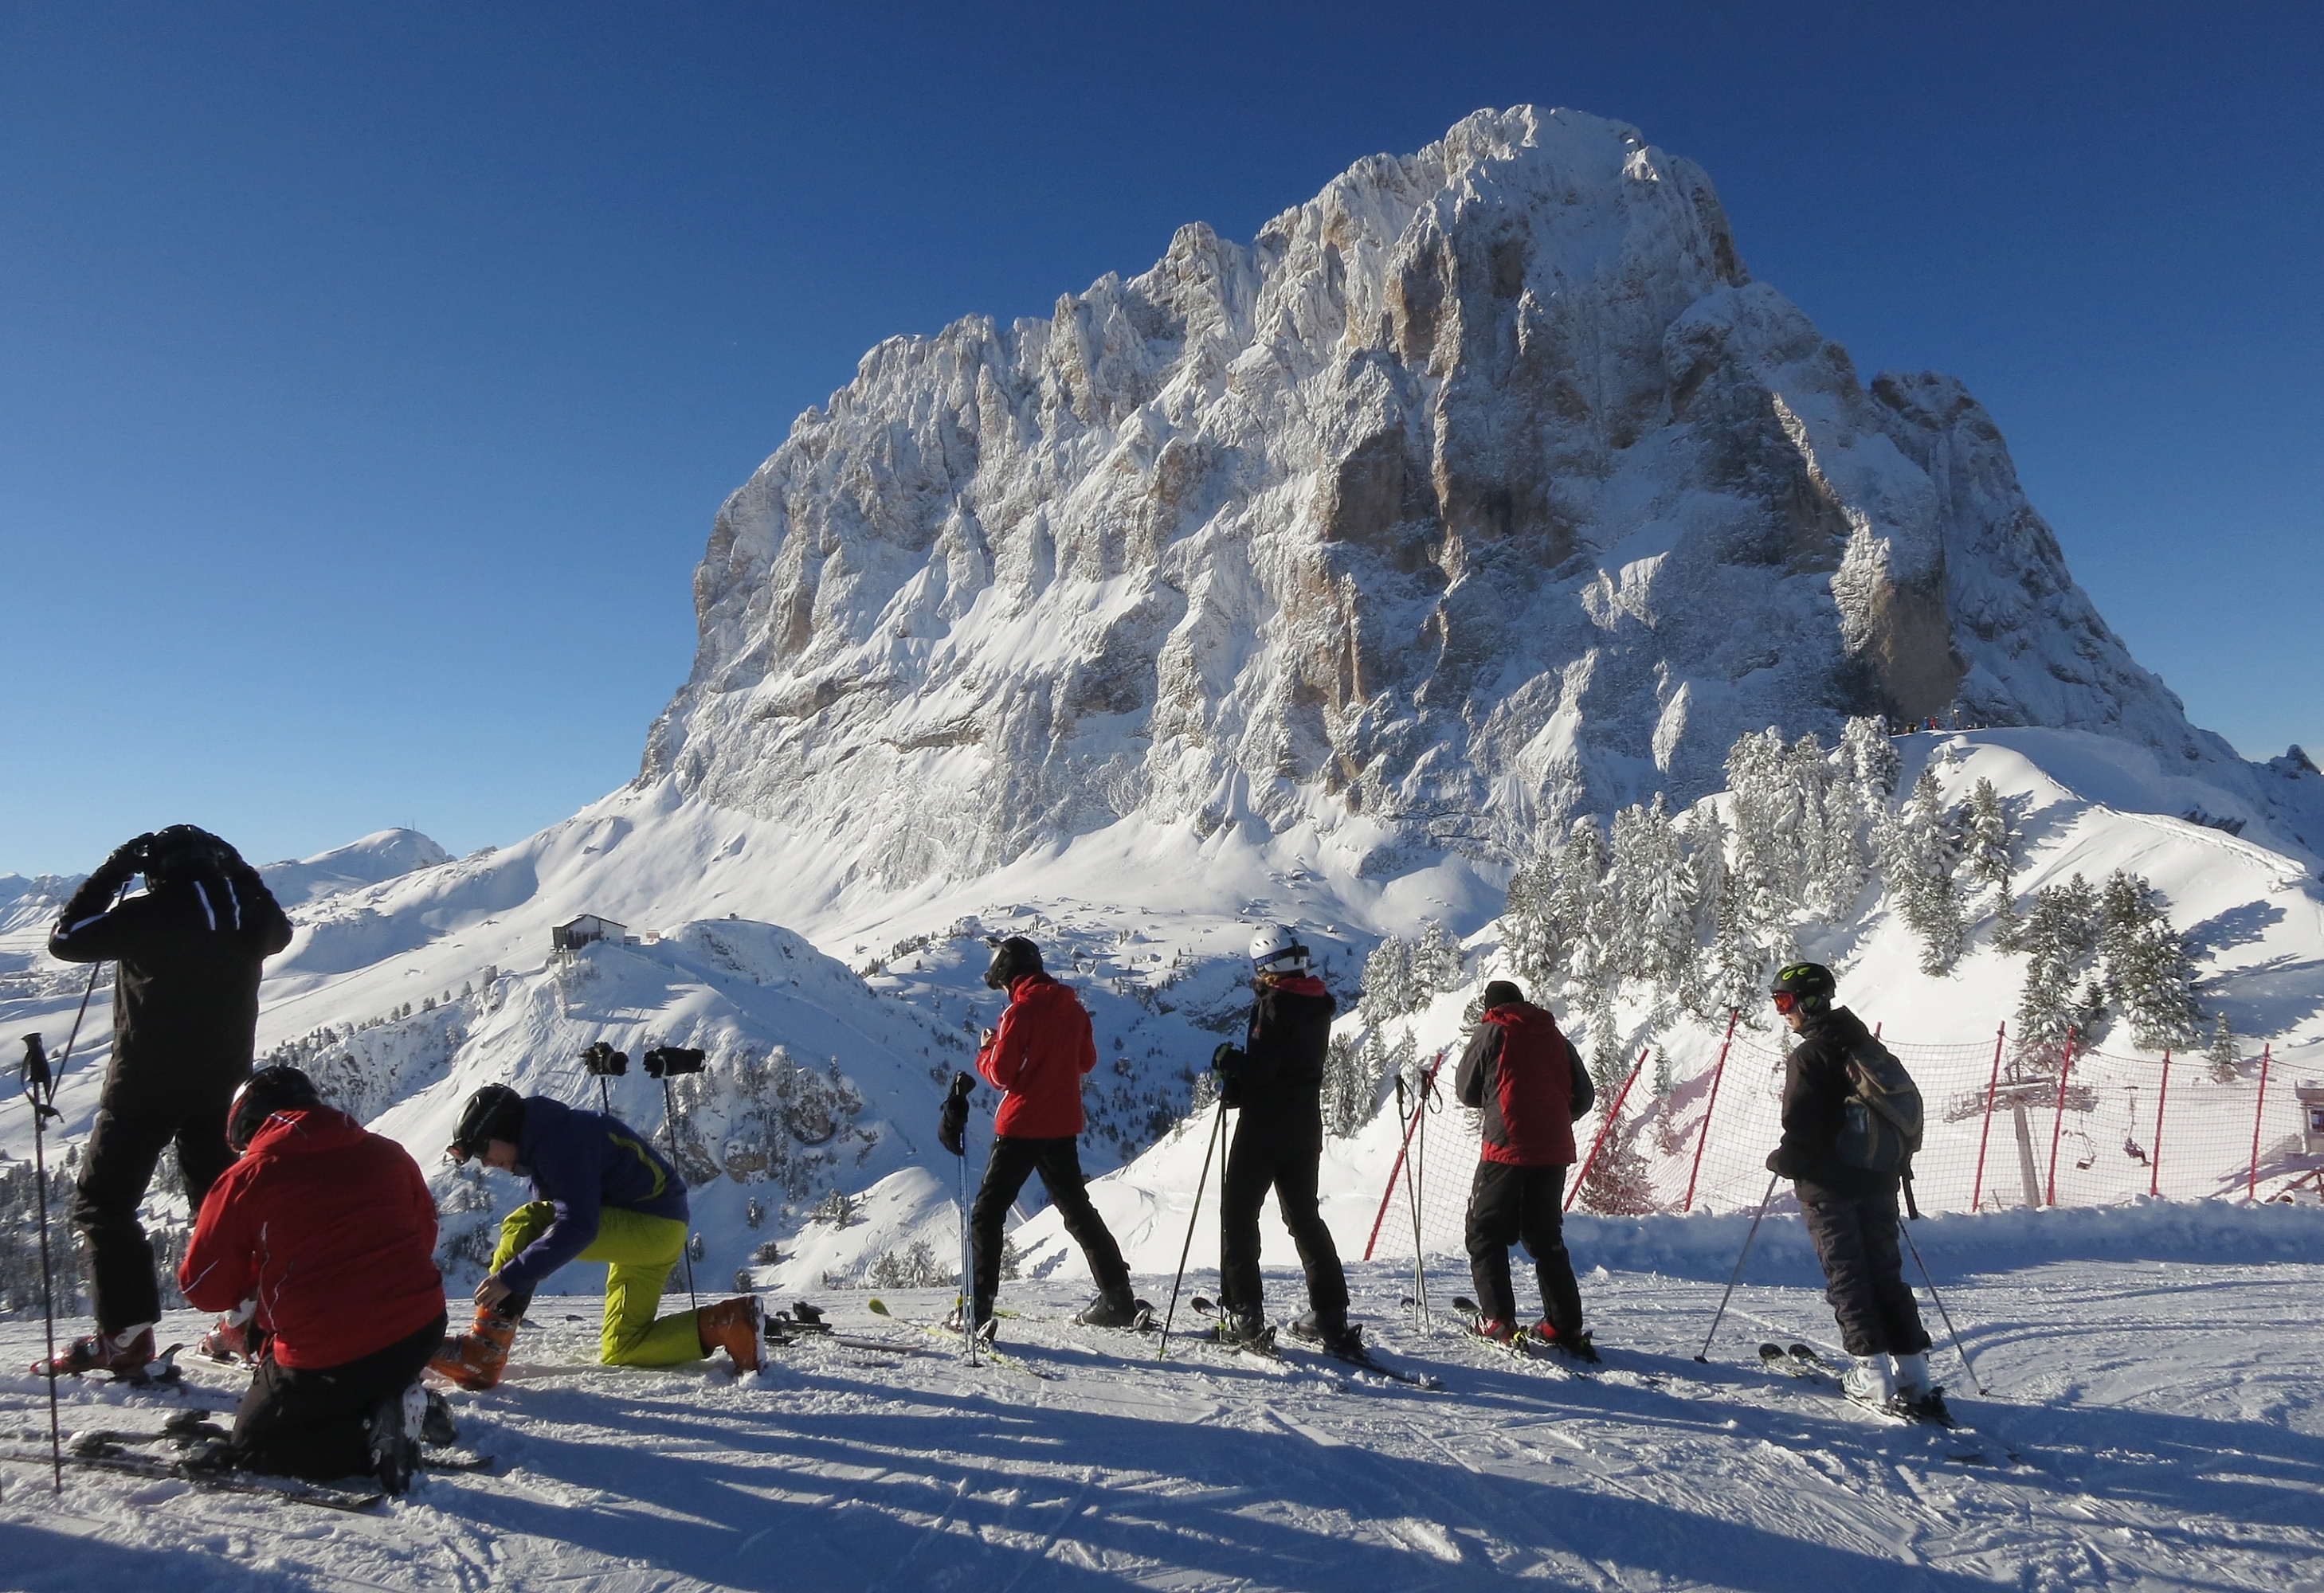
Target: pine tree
2224, 1056
1870, 755
1387, 982
1916, 853
1434, 963
1530, 937
1350, 1088
1619, 1184
1988, 855
1583, 909
2058, 936
2149, 977
1764, 878
1705, 840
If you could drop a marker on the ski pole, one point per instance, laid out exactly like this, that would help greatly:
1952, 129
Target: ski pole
670, 1121
39, 1090
1704, 1354
1218, 1122
967, 1264
1959, 1349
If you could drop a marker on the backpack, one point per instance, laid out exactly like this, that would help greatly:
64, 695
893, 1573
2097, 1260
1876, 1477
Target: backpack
1880, 1123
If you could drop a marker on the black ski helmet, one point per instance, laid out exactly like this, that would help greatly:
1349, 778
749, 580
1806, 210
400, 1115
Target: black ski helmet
1012, 960
492, 1112
270, 1089
186, 852
1810, 984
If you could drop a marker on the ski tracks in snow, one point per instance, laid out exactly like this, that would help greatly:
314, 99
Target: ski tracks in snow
2147, 1425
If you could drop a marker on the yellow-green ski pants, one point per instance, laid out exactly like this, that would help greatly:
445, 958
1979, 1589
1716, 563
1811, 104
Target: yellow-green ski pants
638, 1252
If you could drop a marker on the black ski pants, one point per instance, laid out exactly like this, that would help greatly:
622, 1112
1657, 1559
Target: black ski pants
136, 1118
1059, 1164
1855, 1238
1277, 1147
308, 1420
1508, 1204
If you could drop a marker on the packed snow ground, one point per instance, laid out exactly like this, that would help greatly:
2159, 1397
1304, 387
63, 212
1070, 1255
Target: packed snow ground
2151, 1420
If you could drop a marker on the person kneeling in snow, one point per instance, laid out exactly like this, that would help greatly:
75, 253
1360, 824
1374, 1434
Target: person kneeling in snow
1035, 1059
602, 1193
1530, 1086
331, 1232
1851, 1212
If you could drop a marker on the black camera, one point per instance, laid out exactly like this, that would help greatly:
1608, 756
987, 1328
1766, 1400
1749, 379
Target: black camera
603, 1061
664, 1061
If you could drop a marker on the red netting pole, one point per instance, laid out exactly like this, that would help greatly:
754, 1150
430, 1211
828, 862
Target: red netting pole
1984, 1131
2155, 1162
2251, 1190
1612, 1112
1397, 1169
1703, 1138
2058, 1122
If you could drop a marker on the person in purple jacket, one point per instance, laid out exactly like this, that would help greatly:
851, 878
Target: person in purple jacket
602, 1193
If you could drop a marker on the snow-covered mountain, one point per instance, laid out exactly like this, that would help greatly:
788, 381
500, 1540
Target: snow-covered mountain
1300, 580
1484, 487
385, 854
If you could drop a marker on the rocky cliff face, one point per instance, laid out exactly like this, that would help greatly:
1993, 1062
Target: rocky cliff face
1483, 488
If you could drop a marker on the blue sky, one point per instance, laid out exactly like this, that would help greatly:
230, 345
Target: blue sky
368, 378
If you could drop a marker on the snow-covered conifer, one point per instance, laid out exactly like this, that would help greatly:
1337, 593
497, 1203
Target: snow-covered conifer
1387, 982
1530, 930
1433, 962
2149, 977
2058, 936
2224, 1054
1988, 850
1916, 853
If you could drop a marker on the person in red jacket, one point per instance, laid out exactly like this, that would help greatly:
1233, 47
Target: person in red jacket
1035, 1059
330, 1230
1529, 1083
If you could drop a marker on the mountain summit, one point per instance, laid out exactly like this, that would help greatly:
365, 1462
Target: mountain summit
1484, 488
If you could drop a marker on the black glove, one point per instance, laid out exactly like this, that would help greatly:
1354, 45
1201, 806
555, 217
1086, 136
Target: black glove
953, 1121
127, 858
1779, 1162
1227, 1058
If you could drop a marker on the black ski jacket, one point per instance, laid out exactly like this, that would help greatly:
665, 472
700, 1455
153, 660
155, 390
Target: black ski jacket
185, 1003
1816, 1087
1282, 1059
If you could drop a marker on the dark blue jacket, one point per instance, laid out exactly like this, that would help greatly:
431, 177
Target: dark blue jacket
579, 1162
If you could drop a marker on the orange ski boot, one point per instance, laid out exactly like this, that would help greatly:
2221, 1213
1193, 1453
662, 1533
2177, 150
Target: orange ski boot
474, 1360
734, 1326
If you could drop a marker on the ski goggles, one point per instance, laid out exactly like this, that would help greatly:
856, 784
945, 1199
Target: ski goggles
1785, 1000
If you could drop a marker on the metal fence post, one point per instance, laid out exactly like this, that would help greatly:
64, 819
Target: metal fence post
1985, 1132
2154, 1165
1703, 1138
2251, 1189
2058, 1122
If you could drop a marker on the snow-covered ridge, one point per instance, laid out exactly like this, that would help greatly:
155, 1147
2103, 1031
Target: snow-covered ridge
1485, 487
383, 855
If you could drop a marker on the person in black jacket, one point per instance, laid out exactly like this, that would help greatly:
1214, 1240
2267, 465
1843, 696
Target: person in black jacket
1850, 1212
1276, 1079
185, 1015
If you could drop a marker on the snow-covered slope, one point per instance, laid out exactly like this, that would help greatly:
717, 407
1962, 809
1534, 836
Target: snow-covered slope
1484, 487
2150, 1422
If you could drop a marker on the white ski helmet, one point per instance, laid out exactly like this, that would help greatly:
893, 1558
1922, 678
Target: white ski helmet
1275, 949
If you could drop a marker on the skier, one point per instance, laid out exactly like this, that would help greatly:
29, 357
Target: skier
185, 1008
1851, 1212
1276, 1079
1528, 1082
601, 1193
1036, 1058
328, 1234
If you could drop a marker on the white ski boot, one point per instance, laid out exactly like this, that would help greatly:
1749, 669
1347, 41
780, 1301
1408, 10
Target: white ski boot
1913, 1377
1871, 1381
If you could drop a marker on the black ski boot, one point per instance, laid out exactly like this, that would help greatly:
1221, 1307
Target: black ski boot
1333, 1332
1113, 1308
1245, 1329
436, 1430
391, 1433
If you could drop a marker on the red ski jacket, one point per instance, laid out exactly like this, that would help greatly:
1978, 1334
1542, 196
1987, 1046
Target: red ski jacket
331, 1229
1529, 1081
1036, 1058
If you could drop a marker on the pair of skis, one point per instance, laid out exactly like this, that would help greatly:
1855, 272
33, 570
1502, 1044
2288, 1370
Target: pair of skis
1526, 1344
1802, 1362
948, 1335
116, 1451
1271, 1347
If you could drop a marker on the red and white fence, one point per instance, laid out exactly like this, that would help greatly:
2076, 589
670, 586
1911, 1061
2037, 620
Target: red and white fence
2005, 1129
